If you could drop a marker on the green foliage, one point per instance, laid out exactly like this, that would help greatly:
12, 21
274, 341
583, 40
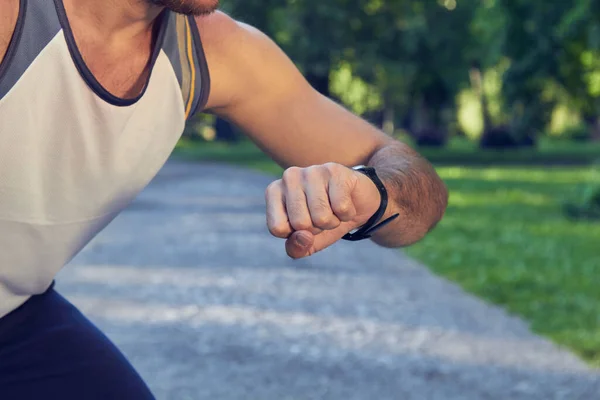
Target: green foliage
413, 61
395, 49
579, 33
586, 208
353, 91
578, 133
586, 205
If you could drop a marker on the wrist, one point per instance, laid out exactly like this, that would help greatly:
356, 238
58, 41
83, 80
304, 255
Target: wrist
368, 190
379, 217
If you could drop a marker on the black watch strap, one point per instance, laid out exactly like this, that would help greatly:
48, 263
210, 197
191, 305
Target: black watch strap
366, 231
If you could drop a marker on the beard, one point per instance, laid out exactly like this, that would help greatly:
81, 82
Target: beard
188, 7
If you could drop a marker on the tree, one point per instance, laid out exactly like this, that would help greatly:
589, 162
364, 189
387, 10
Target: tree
416, 54
408, 59
579, 60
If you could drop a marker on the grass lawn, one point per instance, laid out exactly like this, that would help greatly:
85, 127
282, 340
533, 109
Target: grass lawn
505, 239
458, 152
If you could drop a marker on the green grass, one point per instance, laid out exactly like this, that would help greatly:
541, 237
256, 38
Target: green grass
505, 239
548, 152
458, 152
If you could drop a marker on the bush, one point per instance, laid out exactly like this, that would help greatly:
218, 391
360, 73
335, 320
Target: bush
587, 205
498, 137
431, 137
588, 208
501, 137
578, 133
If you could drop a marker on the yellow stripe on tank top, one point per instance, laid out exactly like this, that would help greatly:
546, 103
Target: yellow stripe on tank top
183, 59
190, 53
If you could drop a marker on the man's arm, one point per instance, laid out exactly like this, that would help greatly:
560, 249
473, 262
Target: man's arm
256, 86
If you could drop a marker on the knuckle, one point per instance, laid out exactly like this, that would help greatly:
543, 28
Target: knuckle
280, 230
312, 172
325, 221
301, 224
332, 167
273, 188
321, 220
291, 173
344, 209
313, 169
321, 213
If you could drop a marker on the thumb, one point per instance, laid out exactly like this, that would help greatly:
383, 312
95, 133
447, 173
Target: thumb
300, 244
303, 243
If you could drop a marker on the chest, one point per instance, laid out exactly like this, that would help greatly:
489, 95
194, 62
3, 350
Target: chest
67, 155
4, 40
120, 66
9, 11
122, 79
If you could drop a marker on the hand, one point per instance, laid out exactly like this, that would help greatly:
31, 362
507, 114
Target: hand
314, 207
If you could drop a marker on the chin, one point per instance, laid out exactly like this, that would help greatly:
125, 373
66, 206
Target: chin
190, 7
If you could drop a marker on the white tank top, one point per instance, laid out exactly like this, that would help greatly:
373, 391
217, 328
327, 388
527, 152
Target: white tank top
72, 155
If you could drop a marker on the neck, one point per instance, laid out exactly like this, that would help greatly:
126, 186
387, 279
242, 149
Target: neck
115, 17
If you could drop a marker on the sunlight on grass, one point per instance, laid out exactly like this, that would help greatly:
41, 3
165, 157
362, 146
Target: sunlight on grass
462, 199
519, 174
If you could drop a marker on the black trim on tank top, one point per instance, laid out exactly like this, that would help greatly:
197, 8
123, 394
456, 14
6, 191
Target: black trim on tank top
88, 76
203, 65
14, 40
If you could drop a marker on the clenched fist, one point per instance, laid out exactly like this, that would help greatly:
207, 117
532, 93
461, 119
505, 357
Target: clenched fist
315, 207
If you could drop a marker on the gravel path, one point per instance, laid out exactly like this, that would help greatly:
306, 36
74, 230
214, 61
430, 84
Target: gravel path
189, 284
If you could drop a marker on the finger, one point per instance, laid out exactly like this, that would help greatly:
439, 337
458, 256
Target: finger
296, 203
297, 211
340, 197
303, 244
277, 220
321, 214
327, 238
300, 244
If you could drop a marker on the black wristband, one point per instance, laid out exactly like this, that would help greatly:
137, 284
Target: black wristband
366, 231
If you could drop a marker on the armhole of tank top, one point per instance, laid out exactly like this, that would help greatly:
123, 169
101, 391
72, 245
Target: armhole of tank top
15, 39
202, 66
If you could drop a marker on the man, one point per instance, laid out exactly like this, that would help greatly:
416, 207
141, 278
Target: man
94, 96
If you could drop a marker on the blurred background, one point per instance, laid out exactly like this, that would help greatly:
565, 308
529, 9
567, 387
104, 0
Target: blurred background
503, 96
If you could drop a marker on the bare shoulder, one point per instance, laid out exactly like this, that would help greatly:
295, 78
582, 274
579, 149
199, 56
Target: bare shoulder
221, 33
241, 60
228, 44
213, 26
9, 12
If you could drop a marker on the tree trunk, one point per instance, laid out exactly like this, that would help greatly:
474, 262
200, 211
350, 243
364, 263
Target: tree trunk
476, 77
388, 125
593, 124
426, 130
421, 120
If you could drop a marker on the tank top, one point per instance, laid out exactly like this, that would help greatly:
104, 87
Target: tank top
72, 155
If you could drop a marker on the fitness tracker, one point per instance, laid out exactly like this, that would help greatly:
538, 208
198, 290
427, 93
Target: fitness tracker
366, 231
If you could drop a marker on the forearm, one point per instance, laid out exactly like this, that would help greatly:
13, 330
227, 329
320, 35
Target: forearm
415, 191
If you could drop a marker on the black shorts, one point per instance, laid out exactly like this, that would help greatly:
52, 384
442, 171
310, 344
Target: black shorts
49, 350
